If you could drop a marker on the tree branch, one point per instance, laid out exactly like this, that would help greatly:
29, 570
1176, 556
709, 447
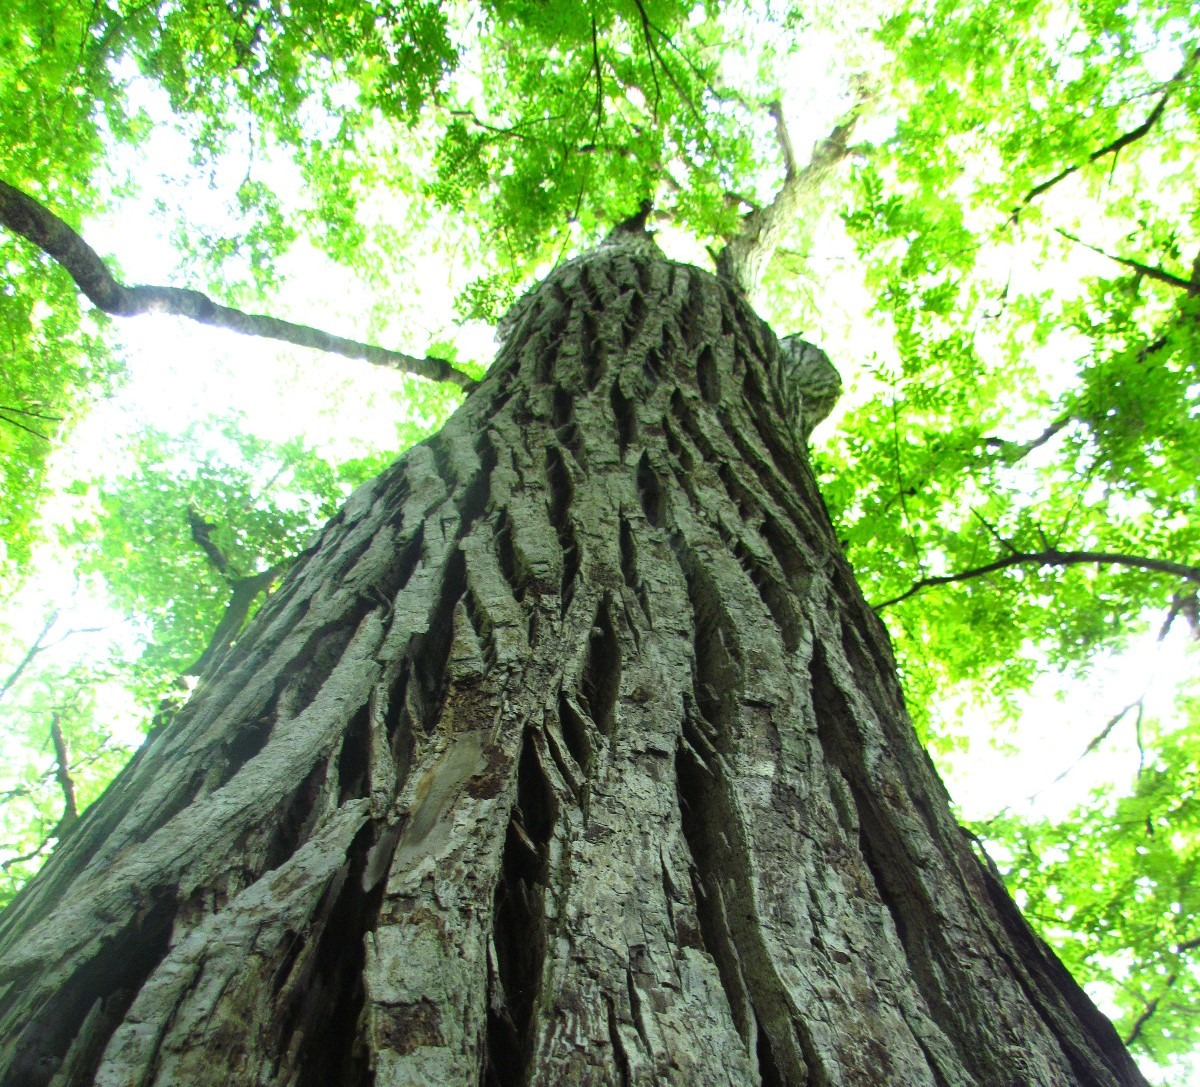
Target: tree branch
1148, 270
1016, 451
1123, 140
37, 851
34, 649
62, 773
25, 216
202, 536
745, 259
22, 426
1189, 607
1051, 557
31, 414
242, 595
1168, 984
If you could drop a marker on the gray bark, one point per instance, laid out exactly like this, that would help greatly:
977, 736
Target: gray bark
569, 753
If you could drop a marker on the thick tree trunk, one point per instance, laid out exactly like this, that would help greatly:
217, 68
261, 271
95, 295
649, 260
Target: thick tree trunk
569, 754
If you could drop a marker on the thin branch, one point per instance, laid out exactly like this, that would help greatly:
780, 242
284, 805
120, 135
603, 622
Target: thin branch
37, 851
1095, 742
1123, 140
652, 55
22, 426
656, 54
36, 646
508, 132
1006, 544
1016, 451
1051, 557
1168, 984
1148, 270
901, 491
31, 414
1138, 703
25, 216
599, 70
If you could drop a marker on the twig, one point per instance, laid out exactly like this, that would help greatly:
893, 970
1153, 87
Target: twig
901, 492
651, 55
37, 851
22, 426
1168, 984
1095, 742
599, 70
656, 54
31, 414
1006, 544
1015, 451
25, 216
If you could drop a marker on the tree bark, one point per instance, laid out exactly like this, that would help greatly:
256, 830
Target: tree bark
569, 753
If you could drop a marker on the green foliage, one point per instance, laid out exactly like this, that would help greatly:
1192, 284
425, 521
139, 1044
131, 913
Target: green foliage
53, 359
960, 219
198, 513
74, 78
580, 112
1029, 233
78, 699
1116, 889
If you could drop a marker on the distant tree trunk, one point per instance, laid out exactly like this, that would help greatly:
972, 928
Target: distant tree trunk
569, 753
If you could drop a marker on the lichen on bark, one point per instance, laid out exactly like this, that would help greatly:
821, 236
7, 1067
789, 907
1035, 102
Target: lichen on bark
568, 754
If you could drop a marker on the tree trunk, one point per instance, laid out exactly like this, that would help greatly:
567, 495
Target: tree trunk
569, 753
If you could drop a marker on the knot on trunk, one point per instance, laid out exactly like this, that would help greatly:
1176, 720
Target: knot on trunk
809, 384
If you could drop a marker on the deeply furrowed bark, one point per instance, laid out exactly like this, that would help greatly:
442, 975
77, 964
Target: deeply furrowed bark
568, 754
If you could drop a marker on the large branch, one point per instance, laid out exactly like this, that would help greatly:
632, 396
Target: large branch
1122, 141
744, 260
1051, 557
243, 592
25, 216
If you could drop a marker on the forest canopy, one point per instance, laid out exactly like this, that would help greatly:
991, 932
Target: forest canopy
986, 214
